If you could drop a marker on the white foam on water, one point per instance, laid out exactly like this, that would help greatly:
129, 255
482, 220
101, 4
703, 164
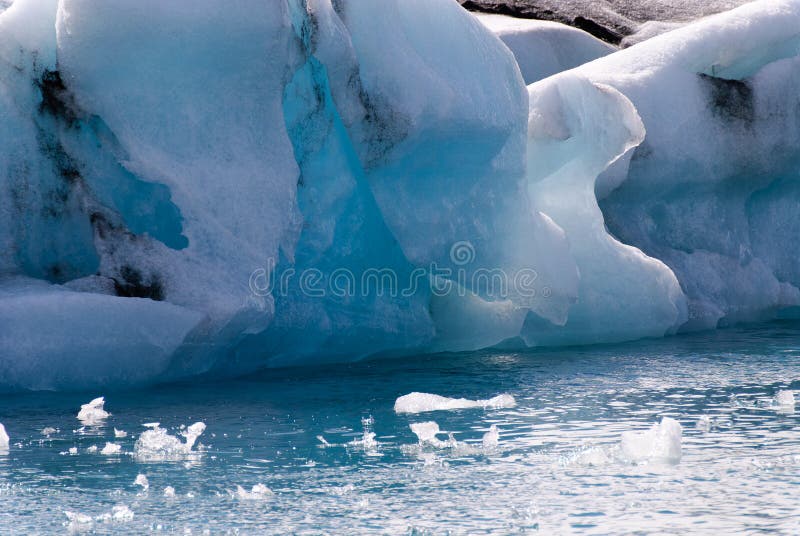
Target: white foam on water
661, 443
156, 444
422, 402
93, 412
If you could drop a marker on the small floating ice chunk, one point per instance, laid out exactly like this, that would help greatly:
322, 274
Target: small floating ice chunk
48, 431
662, 442
92, 449
110, 449
784, 399
426, 433
422, 402
73, 451
367, 441
257, 492
93, 412
3, 438
119, 434
77, 518
141, 480
119, 514
169, 491
491, 438
704, 423
156, 444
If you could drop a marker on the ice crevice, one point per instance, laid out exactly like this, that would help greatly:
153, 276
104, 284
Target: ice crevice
650, 191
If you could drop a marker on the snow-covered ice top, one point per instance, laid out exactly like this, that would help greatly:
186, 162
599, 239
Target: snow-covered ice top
544, 48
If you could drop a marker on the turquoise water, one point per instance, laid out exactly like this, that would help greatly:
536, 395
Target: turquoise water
549, 474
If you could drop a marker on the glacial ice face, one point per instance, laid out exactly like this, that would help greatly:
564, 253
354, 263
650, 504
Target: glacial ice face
164, 154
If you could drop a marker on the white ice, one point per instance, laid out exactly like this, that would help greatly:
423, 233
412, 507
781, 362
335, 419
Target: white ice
544, 48
4, 440
155, 444
784, 399
661, 443
141, 480
93, 413
423, 402
491, 439
257, 492
649, 191
110, 449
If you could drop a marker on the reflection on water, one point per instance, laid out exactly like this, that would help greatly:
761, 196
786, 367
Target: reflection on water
323, 450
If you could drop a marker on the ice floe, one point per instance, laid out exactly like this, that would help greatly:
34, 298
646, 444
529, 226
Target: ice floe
423, 402
93, 413
155, 444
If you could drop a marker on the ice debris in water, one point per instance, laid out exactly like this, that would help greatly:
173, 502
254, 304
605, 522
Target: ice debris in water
141, 480
367, 441
120, 433
662, 442
111, 448
169, 491
77, 518
73, 451
491, 438
257, 492
92, 449
157, 444
93, 412
120, 514
704, 423
3, 438
426, 433
48, 431
421, 402
323, 441
784, 399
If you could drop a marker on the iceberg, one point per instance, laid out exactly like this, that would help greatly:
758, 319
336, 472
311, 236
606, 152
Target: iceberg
214, 189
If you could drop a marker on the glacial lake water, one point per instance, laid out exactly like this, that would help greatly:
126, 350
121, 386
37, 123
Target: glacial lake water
300, 433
